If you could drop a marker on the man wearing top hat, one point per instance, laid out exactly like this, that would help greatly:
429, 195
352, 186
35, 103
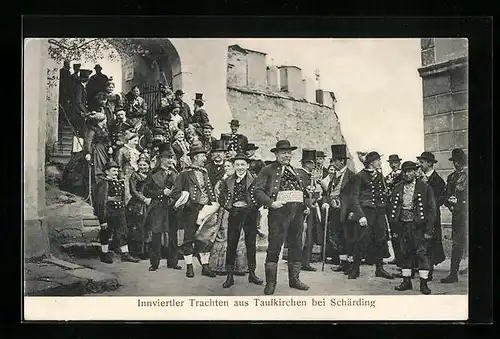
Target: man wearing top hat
97, 83
215, 165
337, 199
412, 213
428, 175
192, 194
199, 116
368, 203
236, 198
305, 173
206, 137
161, 217
79, 110
456, 201
321, 171
185, 110
75, 77
279, 188
237, 142
109, 207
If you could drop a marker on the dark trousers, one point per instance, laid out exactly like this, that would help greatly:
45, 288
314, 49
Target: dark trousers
371, 240
156, 249
246, 219
414, 246
190, 215
459, 239
336, 237
285, 222
117, 228
308, 243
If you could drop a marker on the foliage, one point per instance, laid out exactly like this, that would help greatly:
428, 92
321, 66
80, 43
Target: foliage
92, 50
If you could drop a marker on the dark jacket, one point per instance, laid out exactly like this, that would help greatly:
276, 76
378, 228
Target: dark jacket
200, 117
186, 181
79, 102
215, 172
457, 185
226, 198
101, 198
145, 137
137, 202
255, 166
367, 192
267, 185
97, 83
345, 193
424, 207
238, 144
185, 110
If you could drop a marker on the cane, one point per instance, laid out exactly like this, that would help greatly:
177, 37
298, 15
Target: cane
324, 237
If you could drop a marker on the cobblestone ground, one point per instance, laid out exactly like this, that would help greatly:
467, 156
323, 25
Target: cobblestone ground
136, 280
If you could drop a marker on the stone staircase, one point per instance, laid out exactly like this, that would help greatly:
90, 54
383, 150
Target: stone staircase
61, 150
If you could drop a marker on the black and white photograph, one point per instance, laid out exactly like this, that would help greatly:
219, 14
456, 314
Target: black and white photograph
274, 170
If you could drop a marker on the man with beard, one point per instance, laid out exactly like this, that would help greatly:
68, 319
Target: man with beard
412, 216
279, 188
368, 203
192, 193
456, 201
236, 198
215, 167
435, 251
337, 200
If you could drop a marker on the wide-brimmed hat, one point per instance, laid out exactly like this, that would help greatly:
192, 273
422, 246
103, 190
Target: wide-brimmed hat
218, 145
179, 92
409, 166
85, 73
199, 97
283, 145
308, 154
110, 164
427, 156
371, 156
320, 154
97, 66
240, 156
251, 147
394, 158
458, 155
196, 149
234, 122
165, 151
207, 126
339, 151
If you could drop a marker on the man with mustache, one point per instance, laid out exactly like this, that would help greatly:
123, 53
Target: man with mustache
215, 167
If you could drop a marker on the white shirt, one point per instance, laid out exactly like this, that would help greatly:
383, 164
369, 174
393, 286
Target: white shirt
239, 178
341, 172
428, 174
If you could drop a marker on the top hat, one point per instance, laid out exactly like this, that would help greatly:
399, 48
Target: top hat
199, 97
394, 158
234, 122
165, 151
207, 125
85, 73
371, 156
339, 151
179, 92
283, 145
308, 154
110, 164
129, 135
218, 145
428, 156
97, 66
409, 166
240, 156
251, 147
196, 149
320, 154
458, 155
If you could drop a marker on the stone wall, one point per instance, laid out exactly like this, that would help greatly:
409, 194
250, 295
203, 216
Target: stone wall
445, 100
266, 116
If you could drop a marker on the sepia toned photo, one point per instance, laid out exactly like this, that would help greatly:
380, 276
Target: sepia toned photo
256, 179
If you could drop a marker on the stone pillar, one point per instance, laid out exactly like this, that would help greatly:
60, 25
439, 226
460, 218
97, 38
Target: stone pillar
204, 70
272, 79
309, 89
52, 103
36, 240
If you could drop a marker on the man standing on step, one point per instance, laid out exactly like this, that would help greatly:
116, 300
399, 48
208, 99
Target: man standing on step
215, 166
412, 215
235, 197
237, 142
192, 193
368, 203
279, 188
457, 196
109, 207
337, 199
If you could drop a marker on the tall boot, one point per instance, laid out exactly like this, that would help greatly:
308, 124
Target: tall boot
423, 286
229, 280
207, 272
381, 273
354, 272
293, 277
405, 285
271, 277
431, 272
252, 278
348, 268
453, 276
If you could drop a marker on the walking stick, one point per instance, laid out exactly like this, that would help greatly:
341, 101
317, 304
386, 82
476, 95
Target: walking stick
389, 241
324, 238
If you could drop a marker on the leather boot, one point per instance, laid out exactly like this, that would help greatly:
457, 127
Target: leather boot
381, 273
207, 272
423, 287
253, 279
431, 272
189, 271
106, 258
308, 268
293, 277
405, 285
354, 272
126, 257
348, 267
450, 279
229, 280
271, 277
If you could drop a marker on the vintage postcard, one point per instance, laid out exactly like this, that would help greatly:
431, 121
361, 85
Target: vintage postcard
245, 179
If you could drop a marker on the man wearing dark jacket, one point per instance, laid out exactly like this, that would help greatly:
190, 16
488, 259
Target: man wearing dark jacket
215, 167
97, 83
185, 110
412, 216
391, 180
